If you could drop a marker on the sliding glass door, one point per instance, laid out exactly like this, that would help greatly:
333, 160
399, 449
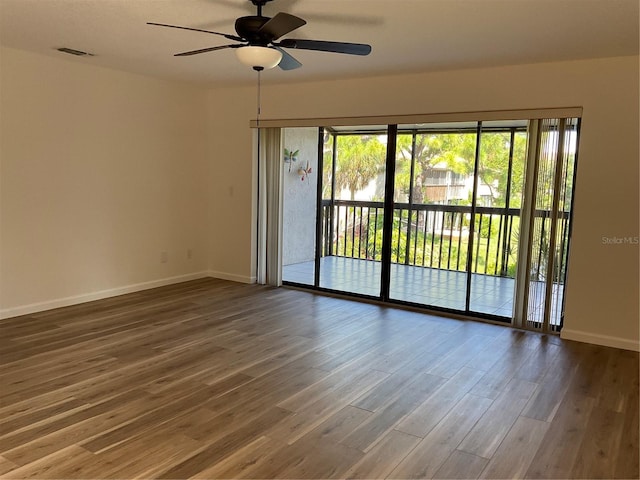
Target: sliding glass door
457, 195
448, 216
299, 205
496, 220
353, 192
432, 203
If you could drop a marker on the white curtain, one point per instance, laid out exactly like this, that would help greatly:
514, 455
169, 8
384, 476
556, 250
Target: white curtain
270, 178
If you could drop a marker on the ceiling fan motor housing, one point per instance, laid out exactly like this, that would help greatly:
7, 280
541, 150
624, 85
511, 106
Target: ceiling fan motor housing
249, 29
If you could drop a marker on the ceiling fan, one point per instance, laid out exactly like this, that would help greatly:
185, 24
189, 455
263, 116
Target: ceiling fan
257, 37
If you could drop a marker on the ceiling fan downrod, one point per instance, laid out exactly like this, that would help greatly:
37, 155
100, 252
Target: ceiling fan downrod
259, 4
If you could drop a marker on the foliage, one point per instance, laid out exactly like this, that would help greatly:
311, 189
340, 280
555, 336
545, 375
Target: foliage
493, 165
327, 168
456, 152
431, 150
359, 158
417, 242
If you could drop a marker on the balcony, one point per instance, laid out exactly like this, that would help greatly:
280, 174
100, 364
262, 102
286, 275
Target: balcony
430, 254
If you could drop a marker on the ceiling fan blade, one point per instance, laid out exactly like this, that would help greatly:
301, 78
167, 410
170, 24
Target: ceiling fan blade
225, 35
205, 50
280, 25
287, 62
322, 46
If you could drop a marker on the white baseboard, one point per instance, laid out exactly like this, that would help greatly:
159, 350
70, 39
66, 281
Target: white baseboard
89, 297
604, 340
232, 277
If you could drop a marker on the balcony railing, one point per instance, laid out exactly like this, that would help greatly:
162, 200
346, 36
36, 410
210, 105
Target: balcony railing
434, 236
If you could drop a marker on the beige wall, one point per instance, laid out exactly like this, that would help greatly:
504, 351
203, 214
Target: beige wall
232, 182
602, 293
100, 172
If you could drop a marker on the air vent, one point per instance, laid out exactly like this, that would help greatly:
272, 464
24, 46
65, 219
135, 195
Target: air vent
77, 53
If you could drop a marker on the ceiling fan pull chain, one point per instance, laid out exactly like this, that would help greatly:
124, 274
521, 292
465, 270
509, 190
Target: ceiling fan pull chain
259, 100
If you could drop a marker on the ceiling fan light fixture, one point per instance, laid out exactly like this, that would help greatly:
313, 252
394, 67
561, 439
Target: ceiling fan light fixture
259, 58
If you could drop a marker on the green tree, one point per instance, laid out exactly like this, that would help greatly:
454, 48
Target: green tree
327, 166
431, 150
493, 167
359, 158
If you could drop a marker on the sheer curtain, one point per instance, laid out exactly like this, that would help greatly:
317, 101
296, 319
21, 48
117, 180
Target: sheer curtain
270, 178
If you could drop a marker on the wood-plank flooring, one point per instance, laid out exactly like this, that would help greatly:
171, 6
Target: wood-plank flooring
214, 379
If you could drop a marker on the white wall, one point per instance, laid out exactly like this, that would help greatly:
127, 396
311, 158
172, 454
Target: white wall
602, 291
101, 171
299, 197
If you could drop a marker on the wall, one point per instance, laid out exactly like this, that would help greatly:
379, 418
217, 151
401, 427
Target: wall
101, 171
299, 197
602, 291
232, 181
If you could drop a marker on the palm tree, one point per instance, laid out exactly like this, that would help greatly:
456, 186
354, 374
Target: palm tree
359, 159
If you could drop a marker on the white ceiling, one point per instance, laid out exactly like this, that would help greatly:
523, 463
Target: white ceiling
406, 35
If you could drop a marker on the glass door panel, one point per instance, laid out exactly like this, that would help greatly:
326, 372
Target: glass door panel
299, 200
432, 195
500, 181
353, 211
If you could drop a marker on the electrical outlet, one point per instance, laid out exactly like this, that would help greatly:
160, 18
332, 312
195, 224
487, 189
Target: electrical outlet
189, 253
164, 257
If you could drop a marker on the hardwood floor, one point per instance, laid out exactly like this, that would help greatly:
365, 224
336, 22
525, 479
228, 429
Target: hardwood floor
213, 379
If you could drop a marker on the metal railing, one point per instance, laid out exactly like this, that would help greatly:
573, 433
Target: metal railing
430, 235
